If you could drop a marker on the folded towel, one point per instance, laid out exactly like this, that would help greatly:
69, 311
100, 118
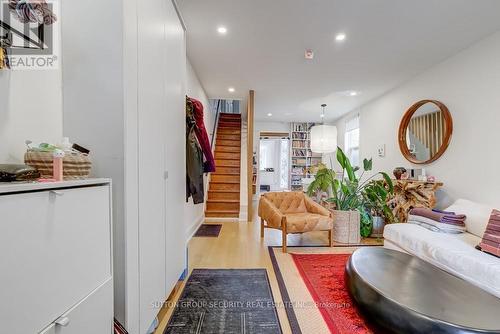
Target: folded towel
439, 216
436, 226
424, 225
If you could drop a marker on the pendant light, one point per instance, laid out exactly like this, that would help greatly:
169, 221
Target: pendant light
323, 137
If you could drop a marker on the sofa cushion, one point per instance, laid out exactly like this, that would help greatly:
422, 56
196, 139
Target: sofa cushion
306, 222
477, 215
454, 253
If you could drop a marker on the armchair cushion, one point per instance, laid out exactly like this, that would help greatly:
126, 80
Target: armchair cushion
270, 213
307, 222
314, 207
287, 202
296, 210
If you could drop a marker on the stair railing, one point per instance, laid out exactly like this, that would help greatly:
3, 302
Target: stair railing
214, 131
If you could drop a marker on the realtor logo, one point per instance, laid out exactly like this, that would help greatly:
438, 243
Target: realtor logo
29, 35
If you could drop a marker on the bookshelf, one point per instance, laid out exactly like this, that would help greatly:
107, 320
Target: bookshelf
302, 158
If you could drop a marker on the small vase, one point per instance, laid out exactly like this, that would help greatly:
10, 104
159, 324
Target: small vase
378, 227
398, 172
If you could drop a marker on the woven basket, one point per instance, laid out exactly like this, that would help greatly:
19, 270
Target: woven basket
346, 227
75, 165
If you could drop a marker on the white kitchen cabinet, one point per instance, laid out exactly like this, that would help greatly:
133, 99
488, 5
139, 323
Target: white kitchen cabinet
55, 246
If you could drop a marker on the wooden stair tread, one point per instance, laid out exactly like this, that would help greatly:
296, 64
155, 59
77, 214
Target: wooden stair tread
225, 182
223, 201
224, 191
217, 173
223, 211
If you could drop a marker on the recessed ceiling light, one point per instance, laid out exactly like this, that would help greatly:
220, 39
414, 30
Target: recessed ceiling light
231, 90
222, 30
269, 114
340, 37
353, 93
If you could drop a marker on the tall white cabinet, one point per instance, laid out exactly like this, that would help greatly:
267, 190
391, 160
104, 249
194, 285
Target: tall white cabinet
123, 97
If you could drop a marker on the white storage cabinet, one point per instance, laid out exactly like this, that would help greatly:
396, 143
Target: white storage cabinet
55, 258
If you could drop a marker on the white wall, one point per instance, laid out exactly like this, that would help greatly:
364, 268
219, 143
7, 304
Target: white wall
468, 84
30, 108
260, 126
268, 127
194, 214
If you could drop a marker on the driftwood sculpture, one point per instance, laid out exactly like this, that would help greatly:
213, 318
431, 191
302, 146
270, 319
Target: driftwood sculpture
410, 194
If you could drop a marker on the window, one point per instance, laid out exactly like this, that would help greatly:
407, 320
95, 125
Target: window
352, 140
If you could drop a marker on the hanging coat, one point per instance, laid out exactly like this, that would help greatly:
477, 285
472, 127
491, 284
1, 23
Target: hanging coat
194, 165
201, 134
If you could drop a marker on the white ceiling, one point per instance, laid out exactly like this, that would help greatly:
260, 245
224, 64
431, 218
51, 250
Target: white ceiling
388, 42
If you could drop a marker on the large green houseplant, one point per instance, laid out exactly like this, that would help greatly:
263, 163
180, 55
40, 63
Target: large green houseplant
349, 192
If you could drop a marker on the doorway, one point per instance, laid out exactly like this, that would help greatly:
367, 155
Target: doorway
274, 164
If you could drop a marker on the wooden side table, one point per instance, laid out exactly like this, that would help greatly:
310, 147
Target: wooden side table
409, 194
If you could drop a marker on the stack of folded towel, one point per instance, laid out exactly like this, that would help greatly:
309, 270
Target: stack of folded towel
438, 221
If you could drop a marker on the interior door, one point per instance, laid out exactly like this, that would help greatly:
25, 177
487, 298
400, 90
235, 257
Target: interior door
152, 127
176, 183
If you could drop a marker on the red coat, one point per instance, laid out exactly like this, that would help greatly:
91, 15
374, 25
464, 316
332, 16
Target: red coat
202, 136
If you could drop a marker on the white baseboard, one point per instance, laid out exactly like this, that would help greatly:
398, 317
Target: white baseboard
243, 213
194, 227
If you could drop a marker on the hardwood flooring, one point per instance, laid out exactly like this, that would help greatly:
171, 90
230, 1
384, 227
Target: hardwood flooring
240, 246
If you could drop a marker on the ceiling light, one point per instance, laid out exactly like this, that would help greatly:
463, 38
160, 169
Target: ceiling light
269, 114
323, 137
231, 90
222, 30
340, 37
349, 93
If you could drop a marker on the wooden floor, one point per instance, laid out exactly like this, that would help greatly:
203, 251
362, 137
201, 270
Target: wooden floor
240, 246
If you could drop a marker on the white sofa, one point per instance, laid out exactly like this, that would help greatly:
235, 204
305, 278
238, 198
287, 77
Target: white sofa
454, 253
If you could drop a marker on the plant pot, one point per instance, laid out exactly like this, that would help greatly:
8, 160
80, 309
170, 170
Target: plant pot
346, 227
378, 227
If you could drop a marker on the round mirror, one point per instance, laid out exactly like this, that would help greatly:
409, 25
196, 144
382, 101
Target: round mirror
425, 131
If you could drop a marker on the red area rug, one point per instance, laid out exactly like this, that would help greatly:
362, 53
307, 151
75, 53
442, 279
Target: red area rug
323, 275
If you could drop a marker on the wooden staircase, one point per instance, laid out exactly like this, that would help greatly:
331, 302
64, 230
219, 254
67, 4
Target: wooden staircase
224, 188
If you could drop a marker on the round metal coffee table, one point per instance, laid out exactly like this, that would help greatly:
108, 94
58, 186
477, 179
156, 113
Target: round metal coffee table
404, 294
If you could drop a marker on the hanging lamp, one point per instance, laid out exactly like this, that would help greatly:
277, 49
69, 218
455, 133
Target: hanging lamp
323, 137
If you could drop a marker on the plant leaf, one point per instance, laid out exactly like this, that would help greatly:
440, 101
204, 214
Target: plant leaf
388, 181
367, 164
341, 158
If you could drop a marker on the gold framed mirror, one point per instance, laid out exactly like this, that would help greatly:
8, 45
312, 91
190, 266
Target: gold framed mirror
425, 131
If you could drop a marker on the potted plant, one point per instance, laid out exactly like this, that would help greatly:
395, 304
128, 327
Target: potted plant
351, 196
375, 197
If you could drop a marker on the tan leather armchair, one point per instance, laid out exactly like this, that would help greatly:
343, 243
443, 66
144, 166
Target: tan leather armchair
293, 212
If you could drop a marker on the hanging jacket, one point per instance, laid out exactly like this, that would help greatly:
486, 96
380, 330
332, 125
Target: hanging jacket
201, 134
194, 164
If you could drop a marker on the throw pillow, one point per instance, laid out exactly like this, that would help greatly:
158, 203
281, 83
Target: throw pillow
491, 239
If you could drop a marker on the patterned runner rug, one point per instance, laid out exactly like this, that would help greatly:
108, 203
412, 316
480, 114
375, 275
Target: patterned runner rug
225, 301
